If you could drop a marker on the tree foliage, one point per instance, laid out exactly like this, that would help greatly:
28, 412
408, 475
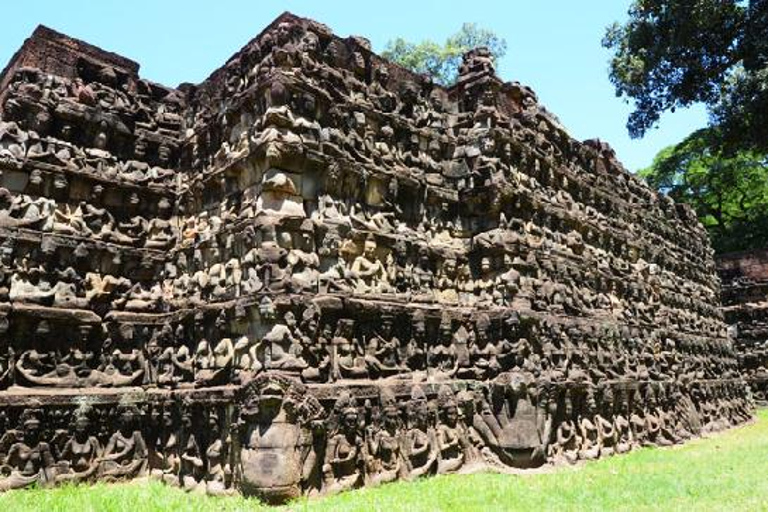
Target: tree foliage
441, 61
673, 53
728, 190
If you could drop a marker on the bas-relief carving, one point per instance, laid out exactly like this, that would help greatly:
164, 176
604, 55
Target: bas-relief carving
744, 276
316, 271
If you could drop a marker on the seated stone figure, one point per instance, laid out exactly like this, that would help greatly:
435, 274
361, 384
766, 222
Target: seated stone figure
213, 366
590, 432
442, 357
283, 349
30, 459
125, 455
368, 273
79, 458
164, 458
159, 234
141, 298
348, 363
13, 143
381, 354
31, 287
567, 438
246, 359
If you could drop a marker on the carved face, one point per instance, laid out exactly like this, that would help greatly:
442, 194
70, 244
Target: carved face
436, 101
488, 98
382, 75
487, 145
482, 337
96, 193
271, 398
386, 328
127, 417
369, 249
349, 419
435, 151
82, 425
213, 425
36, 177
391, 417
266, 310
507, 151
485, 265
310, 43
101, 140
450, 414
140, 148
66, 132
283, 33
333, 52
31, 430
445, 333
167, 418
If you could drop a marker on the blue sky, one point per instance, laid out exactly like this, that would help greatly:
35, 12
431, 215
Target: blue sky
553, 46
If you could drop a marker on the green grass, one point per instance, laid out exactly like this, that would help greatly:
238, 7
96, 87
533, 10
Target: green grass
728, 471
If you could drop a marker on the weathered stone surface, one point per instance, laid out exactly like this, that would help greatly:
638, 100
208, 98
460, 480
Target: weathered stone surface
316, 271
745, 305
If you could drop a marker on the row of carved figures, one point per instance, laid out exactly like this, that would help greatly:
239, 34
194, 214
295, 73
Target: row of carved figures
215, 448
401, 347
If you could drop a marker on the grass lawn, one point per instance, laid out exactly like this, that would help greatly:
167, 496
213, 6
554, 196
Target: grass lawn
728, 471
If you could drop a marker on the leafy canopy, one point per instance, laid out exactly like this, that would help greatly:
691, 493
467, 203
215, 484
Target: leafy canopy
673, 53
728, 190
441, 62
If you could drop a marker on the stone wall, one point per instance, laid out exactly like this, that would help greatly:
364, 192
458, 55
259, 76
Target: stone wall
745, 304
316, 271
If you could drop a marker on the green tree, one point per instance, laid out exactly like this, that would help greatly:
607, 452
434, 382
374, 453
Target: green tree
441, 62
673, 53
728, 190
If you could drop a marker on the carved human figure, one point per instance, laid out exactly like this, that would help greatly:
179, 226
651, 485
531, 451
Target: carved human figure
347, 362
381, 354
78, 460
164, 458
588, 428
415, 350
30, 459
567, 436
125, 455
315, 345
246, 359
283, 347
443, 361
606, 427
385, 443
191, 463
218, 470
421, 450
621, 416
368, 272
451, 437
343, 467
